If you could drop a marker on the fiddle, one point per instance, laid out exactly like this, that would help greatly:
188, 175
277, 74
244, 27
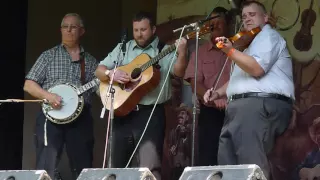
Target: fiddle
242, 39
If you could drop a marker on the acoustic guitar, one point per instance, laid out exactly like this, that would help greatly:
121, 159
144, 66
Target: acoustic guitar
145, 77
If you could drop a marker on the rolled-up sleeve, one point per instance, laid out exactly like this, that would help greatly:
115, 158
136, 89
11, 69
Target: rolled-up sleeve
173, 56
266, 50
112, 56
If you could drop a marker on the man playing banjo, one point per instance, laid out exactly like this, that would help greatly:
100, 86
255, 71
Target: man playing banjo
64, 63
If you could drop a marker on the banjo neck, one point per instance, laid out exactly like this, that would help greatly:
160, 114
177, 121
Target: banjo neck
88, 86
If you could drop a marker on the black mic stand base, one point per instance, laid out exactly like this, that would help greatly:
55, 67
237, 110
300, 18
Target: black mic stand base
112, 91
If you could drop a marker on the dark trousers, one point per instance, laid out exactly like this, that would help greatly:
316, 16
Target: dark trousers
250, 129
77, 136
210, 122
127, 132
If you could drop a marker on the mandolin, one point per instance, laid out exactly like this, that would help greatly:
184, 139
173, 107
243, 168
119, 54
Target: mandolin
303, 39
145, 77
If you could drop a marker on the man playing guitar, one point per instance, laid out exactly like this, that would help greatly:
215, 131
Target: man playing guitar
127, 129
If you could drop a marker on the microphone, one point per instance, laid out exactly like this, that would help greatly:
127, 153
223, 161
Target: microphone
235, 9
124, 40
233, 4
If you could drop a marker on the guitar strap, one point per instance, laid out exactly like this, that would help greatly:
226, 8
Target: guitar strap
160, 46
83, 67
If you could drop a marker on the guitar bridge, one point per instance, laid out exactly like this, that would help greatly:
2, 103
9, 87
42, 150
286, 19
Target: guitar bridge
122, 86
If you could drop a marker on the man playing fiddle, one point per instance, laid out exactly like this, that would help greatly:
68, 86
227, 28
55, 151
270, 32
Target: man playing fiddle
260, 93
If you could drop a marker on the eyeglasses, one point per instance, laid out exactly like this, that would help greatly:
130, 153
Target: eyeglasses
72, 27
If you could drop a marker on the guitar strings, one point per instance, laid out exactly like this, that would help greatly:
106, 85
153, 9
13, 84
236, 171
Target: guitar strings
155, 104
158, 57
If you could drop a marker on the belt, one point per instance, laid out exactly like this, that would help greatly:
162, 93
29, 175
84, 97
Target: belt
261, 94
142, 106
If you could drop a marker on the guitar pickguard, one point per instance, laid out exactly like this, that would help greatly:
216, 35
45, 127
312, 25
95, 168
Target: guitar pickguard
131, 85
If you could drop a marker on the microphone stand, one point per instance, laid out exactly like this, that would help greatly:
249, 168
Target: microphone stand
20, 100
111, 91
110, 119
197, 28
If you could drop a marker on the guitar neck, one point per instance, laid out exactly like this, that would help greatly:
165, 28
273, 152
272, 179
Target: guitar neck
156, 59
88, 86
153, 61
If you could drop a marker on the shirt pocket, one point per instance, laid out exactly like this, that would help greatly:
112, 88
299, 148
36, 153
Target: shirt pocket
57, 72
208, 68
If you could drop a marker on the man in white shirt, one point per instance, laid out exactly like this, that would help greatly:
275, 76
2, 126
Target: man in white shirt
260, 93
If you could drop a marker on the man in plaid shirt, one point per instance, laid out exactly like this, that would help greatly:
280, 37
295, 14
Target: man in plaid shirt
62, 64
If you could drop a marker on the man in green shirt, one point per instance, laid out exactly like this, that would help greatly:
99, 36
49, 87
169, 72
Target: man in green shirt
127, 130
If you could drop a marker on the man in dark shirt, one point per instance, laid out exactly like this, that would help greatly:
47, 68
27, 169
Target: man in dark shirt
210, 61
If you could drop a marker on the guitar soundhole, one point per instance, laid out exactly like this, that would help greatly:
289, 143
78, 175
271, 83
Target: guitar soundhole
136, 73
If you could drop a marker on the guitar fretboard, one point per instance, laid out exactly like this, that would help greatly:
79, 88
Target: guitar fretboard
158, 57
88, 86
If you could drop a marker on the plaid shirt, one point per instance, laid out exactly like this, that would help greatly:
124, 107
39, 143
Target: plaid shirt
55, 66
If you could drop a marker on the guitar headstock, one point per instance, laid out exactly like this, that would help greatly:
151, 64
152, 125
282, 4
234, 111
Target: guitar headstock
205, 29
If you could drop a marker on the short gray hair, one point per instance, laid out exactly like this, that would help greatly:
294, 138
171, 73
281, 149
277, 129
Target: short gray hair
74, 15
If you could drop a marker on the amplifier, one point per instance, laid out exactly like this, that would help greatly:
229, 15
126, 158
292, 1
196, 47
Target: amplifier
228, 172
24, 175
116, 174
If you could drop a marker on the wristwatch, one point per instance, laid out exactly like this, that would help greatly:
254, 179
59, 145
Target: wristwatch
107, 72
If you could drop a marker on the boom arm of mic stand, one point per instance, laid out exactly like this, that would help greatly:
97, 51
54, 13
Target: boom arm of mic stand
24, 101
196, 24
188, 26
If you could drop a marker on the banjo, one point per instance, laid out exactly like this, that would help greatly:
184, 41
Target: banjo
72, 102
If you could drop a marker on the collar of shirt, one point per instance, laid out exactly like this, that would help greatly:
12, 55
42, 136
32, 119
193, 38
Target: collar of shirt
266, 27
81, 51
211, 46
153, 44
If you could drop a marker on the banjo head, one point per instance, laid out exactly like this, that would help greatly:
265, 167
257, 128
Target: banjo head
71, 107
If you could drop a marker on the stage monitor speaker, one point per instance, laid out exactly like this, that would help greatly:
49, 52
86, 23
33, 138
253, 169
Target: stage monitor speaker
228, 172
24, 175
116, 174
